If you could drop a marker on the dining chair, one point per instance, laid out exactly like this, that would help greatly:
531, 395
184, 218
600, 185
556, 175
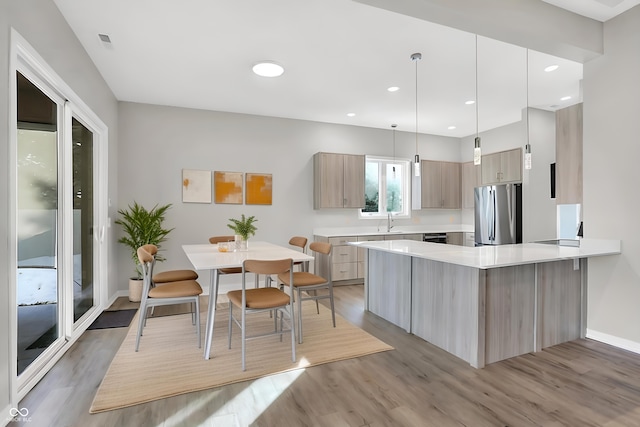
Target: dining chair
300, 242
311, 283
231, 270
169, 275
180, 292
257, 300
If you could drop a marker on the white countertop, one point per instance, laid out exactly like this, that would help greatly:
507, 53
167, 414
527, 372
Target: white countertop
405, 229
485, 257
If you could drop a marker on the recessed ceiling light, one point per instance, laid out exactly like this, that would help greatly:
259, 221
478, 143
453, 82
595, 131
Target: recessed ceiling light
268, 69
565, 98
351, 114
551, 68
470, 102
393, 89
451, 127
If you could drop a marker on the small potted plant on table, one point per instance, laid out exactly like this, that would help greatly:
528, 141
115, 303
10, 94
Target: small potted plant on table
243, 228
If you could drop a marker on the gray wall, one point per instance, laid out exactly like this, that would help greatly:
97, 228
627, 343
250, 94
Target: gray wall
42, 25
157, 142
611, 177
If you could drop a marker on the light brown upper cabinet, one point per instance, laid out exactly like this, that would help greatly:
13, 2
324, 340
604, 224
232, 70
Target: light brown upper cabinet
338, 180
503, 166
471, 178
440, 184
569, 155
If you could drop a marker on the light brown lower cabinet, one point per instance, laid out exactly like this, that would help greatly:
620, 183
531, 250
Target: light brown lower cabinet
480, 315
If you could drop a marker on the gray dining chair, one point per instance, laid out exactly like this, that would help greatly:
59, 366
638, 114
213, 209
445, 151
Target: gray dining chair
267, 299
179, 292
310, 284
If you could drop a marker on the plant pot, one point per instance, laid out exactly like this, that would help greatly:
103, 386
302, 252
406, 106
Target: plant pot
135, 290
242, 245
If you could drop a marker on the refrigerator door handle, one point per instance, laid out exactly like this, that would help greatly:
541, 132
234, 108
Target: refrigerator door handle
492, 235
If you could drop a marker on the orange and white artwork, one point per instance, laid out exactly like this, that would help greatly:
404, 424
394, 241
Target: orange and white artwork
228, 187
259, 189
196, 186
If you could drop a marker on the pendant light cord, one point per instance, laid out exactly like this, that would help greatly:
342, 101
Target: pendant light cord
477, 115
416, 60
527, 106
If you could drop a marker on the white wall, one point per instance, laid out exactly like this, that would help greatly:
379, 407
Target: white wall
42, 25
157, 142
611, 177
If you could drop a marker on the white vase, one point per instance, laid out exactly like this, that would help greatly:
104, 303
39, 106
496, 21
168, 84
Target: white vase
242, 245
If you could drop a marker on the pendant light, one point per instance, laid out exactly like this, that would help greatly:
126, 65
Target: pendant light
416, 166
393, 126
477, 152
527, 147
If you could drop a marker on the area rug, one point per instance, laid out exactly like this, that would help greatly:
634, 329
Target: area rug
170, 363
114, 319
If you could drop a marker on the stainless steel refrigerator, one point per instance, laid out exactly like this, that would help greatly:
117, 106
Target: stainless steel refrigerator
498, 214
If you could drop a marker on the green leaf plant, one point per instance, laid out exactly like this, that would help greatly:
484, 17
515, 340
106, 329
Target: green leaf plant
243, 227
142, 227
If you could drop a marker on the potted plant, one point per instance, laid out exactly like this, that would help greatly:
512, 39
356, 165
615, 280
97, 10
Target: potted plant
243, 228
141, 227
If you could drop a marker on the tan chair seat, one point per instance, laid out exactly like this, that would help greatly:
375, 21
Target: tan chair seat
231, 270
259, 298
184, 288
302, 279
174, 276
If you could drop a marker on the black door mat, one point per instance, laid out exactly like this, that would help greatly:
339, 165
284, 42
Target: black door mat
114, 319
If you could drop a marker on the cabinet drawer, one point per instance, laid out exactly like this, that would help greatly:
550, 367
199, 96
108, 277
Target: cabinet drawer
342, 240
344, 254
416, 237
344, 271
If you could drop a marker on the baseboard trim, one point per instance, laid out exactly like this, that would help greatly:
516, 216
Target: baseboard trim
614, 341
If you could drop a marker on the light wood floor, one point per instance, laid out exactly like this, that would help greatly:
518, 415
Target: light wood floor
581, 383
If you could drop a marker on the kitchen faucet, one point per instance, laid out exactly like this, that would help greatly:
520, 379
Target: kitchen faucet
389, 226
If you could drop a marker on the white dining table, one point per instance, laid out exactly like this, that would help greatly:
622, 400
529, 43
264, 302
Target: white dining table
207, 257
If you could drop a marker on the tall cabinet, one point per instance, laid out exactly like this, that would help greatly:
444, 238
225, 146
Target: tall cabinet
569, 155
338, 180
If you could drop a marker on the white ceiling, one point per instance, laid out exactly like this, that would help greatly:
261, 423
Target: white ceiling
339, 57
600, 10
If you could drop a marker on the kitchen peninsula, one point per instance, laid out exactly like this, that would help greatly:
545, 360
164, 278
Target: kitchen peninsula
347, 265
482, 304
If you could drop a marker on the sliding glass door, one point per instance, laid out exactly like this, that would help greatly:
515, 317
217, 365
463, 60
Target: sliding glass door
58, 234
83, 219
37, 221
